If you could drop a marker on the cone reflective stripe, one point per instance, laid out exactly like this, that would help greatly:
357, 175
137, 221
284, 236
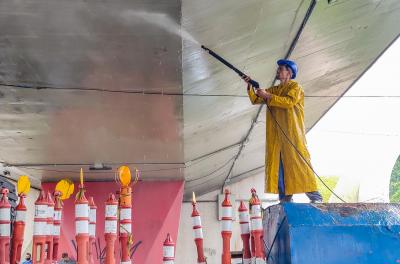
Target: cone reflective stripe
57, 224
5, 222
92, 228
226, 228
39, 229
245, 232
49, 229
198, 234
82, 226
110, 232
256, 227
125, 224
18, 230
168, 250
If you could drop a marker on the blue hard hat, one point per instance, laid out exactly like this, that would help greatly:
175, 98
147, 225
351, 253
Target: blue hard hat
291, 64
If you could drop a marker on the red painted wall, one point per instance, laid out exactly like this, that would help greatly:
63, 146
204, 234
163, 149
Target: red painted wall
155, 212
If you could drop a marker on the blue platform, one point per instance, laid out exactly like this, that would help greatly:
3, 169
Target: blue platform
332, 233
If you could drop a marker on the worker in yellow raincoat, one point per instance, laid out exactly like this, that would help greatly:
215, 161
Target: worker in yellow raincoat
286, 168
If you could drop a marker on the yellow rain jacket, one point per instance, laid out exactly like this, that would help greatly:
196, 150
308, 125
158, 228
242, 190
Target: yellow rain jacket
287, 106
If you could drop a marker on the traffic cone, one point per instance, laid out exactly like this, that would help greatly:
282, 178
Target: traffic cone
57, 224
110, 232
198, 233
168, 250
125, 223
92, 229
226, 228
49, 229
39, 229
256, 227
245, 232
18, 232
82, 225
5, 222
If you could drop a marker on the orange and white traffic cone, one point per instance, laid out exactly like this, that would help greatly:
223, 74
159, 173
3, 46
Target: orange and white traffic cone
198, 233
245, 232
5, 226
18, 231
256, 227
82, 225
39, 229
57, 224
92, 229
110, 232
49, 229
226, 228
168, 250
125, 223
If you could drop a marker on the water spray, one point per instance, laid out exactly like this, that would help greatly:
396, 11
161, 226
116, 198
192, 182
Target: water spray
254, 83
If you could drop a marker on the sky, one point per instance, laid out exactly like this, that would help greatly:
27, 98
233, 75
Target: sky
358, 140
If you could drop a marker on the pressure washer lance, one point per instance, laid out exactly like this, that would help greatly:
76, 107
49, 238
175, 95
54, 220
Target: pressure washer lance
255, 84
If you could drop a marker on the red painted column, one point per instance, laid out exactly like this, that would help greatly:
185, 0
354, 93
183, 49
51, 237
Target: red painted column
256, 227
39, 229
5, 222
226, 228
92, 229
125, 224
49, 229
245, 232
57, 216
82, 226
168, 250
110, 232
198, 233
18, 231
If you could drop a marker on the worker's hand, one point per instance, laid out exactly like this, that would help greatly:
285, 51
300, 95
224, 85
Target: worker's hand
246, 79
263, 94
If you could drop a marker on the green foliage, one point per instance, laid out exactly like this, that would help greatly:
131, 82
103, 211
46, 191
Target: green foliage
330, 182
394, 187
